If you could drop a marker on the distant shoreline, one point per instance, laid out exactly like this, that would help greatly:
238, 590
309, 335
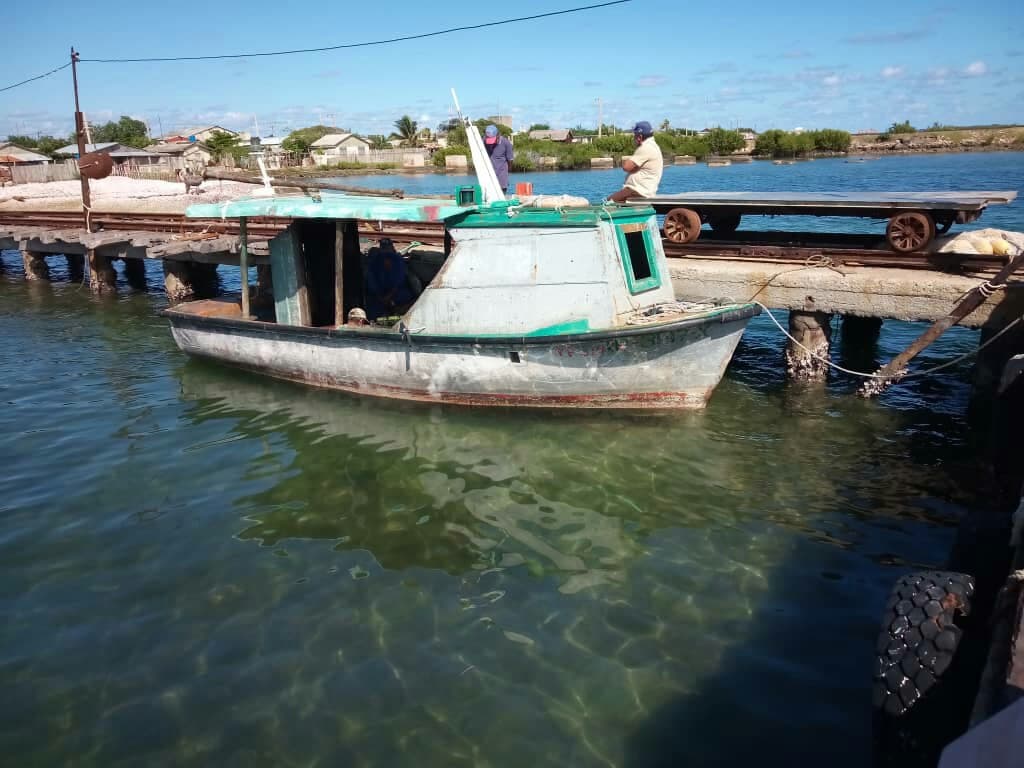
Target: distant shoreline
854, 153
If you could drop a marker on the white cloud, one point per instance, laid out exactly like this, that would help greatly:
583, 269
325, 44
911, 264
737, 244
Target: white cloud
651, 81
831, 81
890, 72
976, 68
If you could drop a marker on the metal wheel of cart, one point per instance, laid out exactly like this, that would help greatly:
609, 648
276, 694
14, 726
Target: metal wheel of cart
682, 225
910, 231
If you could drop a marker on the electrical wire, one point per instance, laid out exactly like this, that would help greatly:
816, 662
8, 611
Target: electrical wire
420, 36
37, 77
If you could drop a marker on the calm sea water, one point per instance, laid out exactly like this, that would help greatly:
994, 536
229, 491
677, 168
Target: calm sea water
200, 567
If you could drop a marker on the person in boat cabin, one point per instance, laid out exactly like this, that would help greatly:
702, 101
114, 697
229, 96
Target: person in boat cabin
387, 286
357, 316
500, 151
643, 168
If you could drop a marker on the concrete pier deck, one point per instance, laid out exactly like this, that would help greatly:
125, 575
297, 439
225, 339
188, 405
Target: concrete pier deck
887, 293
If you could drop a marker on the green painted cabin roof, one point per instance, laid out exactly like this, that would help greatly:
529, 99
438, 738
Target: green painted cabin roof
332, 206
342, 206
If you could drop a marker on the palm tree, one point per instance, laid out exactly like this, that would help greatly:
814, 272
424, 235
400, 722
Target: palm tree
407, 130
377, 141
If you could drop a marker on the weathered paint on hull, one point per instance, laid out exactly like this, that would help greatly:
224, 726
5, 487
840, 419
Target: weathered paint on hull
666, 368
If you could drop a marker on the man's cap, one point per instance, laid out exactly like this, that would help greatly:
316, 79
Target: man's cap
356, 314
491, 132
643, 128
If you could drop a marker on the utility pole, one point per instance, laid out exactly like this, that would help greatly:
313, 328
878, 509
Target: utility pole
600, 117
80, 135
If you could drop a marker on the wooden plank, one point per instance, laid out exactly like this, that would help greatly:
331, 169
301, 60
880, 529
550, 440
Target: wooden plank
827, 198
339, 273
243, 264
291, 298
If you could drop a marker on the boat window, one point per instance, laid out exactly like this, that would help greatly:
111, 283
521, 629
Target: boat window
637, 253
637, 249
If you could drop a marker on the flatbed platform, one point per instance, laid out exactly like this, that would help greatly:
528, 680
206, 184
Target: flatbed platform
914, 217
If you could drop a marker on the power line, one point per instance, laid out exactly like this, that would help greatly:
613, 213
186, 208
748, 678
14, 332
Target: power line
363, 44
37, 77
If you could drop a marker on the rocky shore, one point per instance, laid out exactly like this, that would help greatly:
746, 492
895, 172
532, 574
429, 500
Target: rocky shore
984, 139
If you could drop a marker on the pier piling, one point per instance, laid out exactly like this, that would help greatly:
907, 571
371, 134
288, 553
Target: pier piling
102, 277
36, 267
814, 331
178, 281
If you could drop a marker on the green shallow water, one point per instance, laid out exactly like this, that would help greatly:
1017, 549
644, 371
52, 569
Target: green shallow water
201, 567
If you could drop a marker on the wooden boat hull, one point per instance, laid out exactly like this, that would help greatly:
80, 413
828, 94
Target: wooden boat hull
665, 366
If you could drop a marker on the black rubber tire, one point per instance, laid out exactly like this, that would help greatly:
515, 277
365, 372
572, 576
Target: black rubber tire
915, 665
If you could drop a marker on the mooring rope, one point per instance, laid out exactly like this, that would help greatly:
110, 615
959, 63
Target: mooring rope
913, 374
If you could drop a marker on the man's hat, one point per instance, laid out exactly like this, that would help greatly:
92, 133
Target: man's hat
643, 128
491, 133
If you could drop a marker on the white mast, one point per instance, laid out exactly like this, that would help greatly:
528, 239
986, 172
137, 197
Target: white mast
481, 161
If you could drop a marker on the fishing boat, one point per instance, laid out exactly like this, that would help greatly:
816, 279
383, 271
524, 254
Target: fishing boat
526, 306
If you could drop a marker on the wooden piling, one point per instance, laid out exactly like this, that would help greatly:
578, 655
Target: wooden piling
35, 266
178, 281
814, 332
102, 277
243, 263
339, 274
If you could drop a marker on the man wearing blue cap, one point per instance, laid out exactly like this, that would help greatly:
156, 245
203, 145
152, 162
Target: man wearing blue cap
500, 150
643, 168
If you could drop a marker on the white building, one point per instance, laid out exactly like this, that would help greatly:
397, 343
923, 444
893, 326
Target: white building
335, 147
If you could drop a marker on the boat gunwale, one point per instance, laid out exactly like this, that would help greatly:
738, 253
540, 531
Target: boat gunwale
728, 314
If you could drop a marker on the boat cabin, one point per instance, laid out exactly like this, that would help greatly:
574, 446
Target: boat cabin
507, 268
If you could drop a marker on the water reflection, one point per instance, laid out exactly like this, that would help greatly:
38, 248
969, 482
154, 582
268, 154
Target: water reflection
203, 567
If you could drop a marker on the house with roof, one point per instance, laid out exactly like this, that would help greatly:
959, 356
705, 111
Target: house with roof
182, 155
269, 145
563, 135
12, 154
335, 147
119, 153
198, 134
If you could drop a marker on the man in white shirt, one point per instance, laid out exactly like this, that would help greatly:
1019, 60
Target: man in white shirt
643, 168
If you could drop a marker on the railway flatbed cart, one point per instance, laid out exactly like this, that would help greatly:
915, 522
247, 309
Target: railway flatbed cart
914, 218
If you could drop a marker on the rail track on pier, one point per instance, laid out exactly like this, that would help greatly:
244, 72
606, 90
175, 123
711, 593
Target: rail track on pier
810, 248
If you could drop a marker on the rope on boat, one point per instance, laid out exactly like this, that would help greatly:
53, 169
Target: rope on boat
913, 374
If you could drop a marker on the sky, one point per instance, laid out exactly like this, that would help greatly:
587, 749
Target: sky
785, 64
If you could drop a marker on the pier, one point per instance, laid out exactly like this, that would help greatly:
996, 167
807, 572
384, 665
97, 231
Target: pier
812, 276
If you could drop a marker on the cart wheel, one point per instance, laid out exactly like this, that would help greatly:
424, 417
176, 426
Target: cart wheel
726, 224
942, 227
682, 225
910, 231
